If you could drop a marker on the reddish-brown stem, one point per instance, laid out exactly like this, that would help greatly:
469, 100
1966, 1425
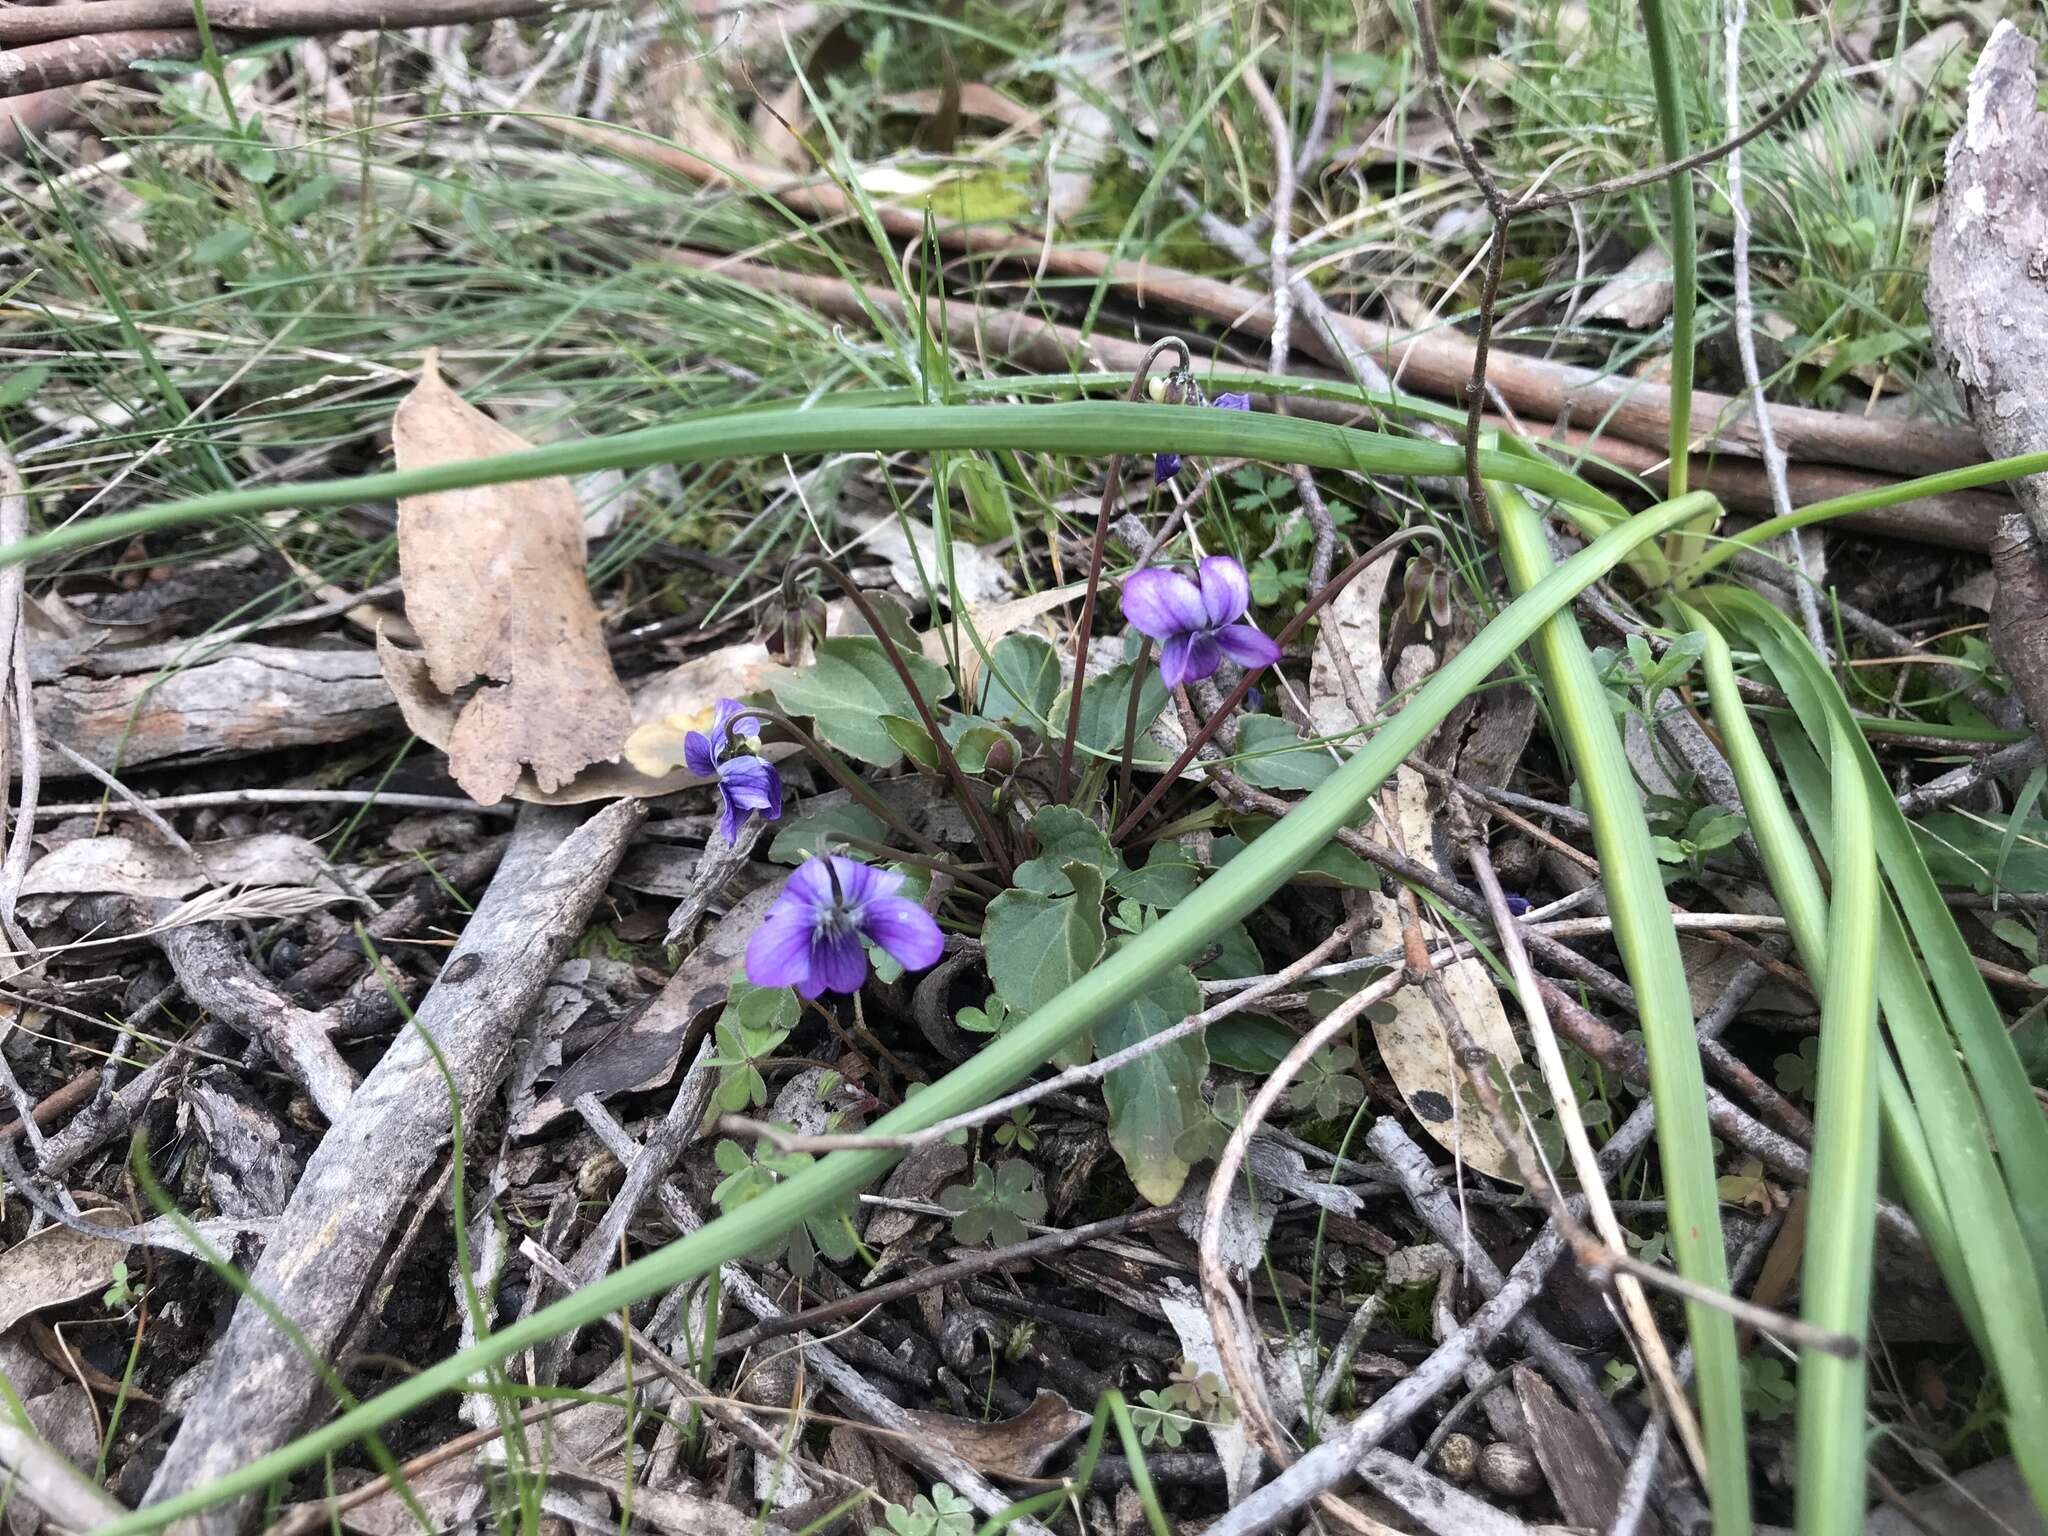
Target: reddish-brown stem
1123, 768
1087, 620
991, 840
1309, 609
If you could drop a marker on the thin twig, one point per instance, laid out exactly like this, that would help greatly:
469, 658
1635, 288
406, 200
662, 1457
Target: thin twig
1745, 339
1635, 1304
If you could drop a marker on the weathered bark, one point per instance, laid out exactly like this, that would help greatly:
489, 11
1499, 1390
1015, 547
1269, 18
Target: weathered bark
74, 60
125, 709
327, 1249
1987, 302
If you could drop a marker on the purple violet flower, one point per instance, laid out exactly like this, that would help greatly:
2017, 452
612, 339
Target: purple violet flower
745, 782
1518, 906
1197, 626
1166, 465
812, 938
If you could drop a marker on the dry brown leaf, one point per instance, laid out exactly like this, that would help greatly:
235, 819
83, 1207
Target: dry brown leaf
494, 584
976, 100
1352, 621
1018, 1447
1411, 1038
135, 867
57, 1265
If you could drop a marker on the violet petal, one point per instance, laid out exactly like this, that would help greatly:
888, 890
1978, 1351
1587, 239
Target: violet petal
839, 963
905, 930
1162, 603
1226, 590
698, 756
1247, 646
779, 953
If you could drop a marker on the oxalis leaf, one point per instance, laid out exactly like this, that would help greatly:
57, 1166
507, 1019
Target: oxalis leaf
1157, 1099
998, 1066
850, 688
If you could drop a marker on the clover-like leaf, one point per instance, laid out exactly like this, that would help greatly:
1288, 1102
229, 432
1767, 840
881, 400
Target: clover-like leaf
996, 1203
1156, 1418
1800, 1073
1328, 1086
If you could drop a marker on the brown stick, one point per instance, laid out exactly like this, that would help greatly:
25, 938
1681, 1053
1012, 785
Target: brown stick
35, 114
1962, 520
20, 25
43, 67
1436, 362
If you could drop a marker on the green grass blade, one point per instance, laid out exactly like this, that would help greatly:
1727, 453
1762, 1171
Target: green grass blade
1099, 427
1255, 874
2014, 1321
2017, 1125
1758, 535
1841, 1220
1797, 887
1649, 949
1671, 128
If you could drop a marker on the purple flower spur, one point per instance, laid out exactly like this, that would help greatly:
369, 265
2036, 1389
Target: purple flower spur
814, 935
745, 782
1197, 625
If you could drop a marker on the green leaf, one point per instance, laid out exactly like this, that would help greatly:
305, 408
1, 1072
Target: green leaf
1038, 945
1271, 755
997, 1203
1167, 878
1066, 836
798, 839
1156, 1099
22, 383
1105, 702
1021, 682
914, 740
973, 739
1249, 1042
850, 688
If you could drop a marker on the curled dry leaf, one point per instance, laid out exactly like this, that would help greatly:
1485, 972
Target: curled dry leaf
1018, 1447
1409, 1035
494, 585
132, 866
55, 1266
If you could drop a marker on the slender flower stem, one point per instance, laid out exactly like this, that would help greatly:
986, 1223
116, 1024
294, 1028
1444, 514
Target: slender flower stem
1309, 609
1684, 237
941, 866
1087, 620
1123, 767
991, 839
847, 779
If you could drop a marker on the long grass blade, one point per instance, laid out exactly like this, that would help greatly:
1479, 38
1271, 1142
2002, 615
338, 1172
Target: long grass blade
1098, 427
1841, 1223
2017, 1125
2002, 1294
1804, 906
1649, 949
